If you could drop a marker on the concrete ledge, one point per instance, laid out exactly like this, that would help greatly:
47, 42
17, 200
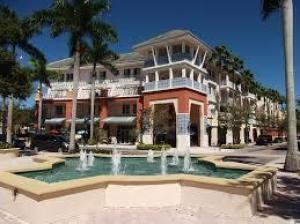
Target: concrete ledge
49, 201
9, 153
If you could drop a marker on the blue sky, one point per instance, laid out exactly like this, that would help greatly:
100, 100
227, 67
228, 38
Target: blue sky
234, 23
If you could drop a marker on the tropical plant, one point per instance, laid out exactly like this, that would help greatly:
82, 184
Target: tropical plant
98, 53
15, 33
81, 20
286, 6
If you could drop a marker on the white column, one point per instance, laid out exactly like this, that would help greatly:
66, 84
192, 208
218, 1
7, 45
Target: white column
214, 136
242, 136
169, 55
229, 136
203, 132
171, 76
203, 61
147, 78
192, 77
183, 72
196, 55
199, 78
156, 79
154, 57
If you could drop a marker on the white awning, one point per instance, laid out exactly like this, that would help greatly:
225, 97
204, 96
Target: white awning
119, 120
83, 120
55, 121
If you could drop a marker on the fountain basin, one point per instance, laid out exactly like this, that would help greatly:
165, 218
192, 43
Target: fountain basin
52, 201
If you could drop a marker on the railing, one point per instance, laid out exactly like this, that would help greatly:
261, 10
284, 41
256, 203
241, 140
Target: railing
181, 56
149, 63
162, 60
175, 83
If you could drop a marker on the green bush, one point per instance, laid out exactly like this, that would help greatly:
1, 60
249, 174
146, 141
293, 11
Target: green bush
4, 145
92, 142
233, 146
142, 146
101, 135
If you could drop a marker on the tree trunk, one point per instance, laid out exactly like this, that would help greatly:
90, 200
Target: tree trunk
40, 107
9, 119
92, 115
75, 93
291, 161
3, 114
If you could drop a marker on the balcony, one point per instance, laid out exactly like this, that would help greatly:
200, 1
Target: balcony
181, 57
212, 98
175, 83
161, 60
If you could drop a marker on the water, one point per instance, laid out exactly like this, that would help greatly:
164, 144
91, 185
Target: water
83, 161
150, 156
91, 159
175, 159
116, 162
163, 163
130, 166
187, 162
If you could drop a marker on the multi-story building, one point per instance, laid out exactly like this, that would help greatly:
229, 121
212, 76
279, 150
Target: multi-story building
168, 70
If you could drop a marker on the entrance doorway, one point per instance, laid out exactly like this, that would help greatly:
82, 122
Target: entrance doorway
195, 125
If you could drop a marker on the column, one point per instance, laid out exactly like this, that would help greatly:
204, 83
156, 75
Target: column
182, 131
156, 79
147, 78
229, 136
203, 132
214, 136
242, 135
169, 55
103, 112
154, 57
183, 72
147, 136
171, 76
192, 77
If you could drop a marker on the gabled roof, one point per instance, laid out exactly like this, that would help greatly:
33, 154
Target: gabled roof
68, 62
169, 35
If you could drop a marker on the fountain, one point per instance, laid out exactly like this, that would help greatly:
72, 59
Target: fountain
150, 156
83, 163
187, 162
116, 161
175, 159
163, 164
91, 159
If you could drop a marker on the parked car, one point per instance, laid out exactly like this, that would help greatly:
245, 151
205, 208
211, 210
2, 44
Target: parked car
16, 142
52, 143
279, 140
264, 140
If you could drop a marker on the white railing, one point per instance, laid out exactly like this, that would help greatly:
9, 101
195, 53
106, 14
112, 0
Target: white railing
175, 83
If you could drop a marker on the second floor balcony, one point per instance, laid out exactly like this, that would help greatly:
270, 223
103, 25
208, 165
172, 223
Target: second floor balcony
175, 83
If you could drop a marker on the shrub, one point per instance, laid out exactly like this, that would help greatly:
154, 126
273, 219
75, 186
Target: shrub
92, 142
233, 146
4, 145
142, 146
101, 135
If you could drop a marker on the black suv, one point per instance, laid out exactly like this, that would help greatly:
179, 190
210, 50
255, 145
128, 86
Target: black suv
52, 143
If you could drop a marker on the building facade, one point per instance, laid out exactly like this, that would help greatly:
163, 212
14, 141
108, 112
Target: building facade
170, 71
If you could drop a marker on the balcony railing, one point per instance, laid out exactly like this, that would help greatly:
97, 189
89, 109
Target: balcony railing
175, 83
162, 60
149, 63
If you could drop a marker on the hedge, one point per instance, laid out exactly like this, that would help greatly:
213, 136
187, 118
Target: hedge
142, 146
233, 146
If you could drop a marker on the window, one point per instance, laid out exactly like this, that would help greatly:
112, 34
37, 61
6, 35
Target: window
126, 109
61, 78
127, 73
102, 75
134, 108
69, 77
59, 110
177, 49
136, 71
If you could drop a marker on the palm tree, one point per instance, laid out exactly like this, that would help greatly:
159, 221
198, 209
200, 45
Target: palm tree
15, 34
81, 20
98, 53
286, 6
42, 76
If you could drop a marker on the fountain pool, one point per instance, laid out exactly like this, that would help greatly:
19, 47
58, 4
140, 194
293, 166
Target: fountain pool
129, 166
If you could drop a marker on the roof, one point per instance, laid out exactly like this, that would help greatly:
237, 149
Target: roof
125, 57
169, 35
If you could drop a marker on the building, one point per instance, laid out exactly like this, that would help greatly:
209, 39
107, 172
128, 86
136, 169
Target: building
167, 71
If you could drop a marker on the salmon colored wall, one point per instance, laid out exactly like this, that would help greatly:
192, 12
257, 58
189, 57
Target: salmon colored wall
182, 95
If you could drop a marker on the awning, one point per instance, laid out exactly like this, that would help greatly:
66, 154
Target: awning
78, 120
83, 120
119, 120
55, 121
